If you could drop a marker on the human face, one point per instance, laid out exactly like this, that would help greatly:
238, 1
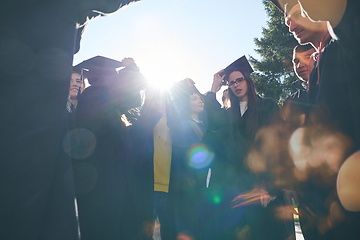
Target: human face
303, 29
238, 85
76, 85
196, 103
302, 66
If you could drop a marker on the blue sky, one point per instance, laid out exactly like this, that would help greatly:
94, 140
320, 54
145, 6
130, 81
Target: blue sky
174, 39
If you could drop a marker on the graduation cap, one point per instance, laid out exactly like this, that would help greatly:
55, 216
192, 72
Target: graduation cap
98, 67
241, 64
187, 88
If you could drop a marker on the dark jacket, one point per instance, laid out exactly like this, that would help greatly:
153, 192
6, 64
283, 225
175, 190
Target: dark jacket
334, 98
142, 138
103, 177
191, 158
231, 174
36, 180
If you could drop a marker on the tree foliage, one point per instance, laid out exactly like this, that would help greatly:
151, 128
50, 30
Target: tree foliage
273, 72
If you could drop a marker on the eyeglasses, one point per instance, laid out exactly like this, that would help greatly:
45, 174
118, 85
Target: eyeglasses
238, 81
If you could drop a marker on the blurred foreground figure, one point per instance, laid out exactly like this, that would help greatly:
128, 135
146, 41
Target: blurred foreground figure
104, 180
332, 131
348, 182
37, 43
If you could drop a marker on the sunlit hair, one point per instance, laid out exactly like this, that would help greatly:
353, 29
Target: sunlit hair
225, 99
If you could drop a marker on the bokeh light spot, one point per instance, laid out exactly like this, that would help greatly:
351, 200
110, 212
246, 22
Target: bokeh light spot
79, 143
215, 196
348, 183
199, 156
299, 151
217, 199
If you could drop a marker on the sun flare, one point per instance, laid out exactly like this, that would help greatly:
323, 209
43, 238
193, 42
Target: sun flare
163, 69
162, 59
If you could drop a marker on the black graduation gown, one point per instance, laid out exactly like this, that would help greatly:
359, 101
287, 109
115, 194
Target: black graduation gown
36, 181
338, 88
102, 173
296, 103
191, 157
142, 138
231, 175
37, 39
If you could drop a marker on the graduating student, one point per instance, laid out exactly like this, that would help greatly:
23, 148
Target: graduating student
163, 133
103, 176
77, 85
295, 107
232, 174
191, 157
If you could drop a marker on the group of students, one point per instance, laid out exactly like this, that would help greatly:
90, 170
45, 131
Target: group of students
207, 171
253, 163
181, 160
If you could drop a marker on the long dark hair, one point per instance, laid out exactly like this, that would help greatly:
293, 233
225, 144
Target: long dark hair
253, 98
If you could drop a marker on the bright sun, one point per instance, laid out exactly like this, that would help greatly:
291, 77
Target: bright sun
163, 69
162, 58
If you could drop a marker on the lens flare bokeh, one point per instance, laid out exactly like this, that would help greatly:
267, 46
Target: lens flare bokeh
79, 143
216, 199
314, 147
348, 183
199, 156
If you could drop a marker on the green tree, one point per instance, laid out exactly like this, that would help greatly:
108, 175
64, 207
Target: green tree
273, 72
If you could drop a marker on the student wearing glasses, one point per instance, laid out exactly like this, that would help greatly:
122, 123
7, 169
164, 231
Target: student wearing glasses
247, 196
248, 112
